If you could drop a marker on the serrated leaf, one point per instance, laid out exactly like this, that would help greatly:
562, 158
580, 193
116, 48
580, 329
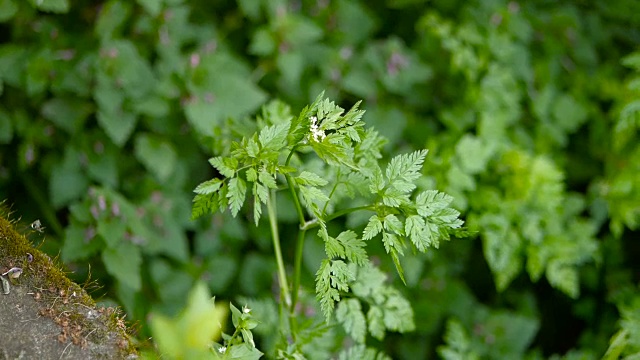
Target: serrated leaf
349, 314
236, 194
414, 227
334, 151
324, 292
361, 352
226, 166
252, 148
373, 228
369, 281
564, 277
375, 318
333, 248
309, 178
332, 276
257, 206
394, 198
392, 223
223, 201
204, 204
429, 201
398, 314
267, 179
312, 194
378, 181
406, 167
447, 217
396, 262
274, 138
353, 247
251, 174
261, 192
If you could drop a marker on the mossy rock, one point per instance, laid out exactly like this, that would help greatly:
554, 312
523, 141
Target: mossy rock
47, 316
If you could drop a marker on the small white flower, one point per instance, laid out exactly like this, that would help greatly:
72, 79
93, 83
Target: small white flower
222, 349
315, 130
245, 309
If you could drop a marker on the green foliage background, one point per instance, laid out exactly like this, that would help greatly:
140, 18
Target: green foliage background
530, 110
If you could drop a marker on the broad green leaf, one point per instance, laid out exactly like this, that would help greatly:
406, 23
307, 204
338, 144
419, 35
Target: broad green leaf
67, 182
80, 243
117, 126
67, 113
123, 263
54, 6
8, 9
112, 230
156, 154
112, 16
244, 352
153, 7
189, 334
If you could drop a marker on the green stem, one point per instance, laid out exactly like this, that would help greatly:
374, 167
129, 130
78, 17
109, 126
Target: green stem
297, 269
275, 236
312, 224
296, 200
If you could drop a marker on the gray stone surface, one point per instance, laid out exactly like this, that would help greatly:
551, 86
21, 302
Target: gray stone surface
25, 334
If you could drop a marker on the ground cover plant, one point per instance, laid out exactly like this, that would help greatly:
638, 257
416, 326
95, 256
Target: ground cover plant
110, 111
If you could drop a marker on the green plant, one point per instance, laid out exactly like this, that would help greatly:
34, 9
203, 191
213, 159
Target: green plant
109, 110
347, 179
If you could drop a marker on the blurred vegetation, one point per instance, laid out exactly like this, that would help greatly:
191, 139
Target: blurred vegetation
530, 111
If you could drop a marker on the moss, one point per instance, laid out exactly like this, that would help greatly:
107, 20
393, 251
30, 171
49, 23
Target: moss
59, 298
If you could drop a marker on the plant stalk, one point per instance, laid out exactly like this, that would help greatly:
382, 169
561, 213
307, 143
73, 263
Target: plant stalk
275, 236
297, 269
